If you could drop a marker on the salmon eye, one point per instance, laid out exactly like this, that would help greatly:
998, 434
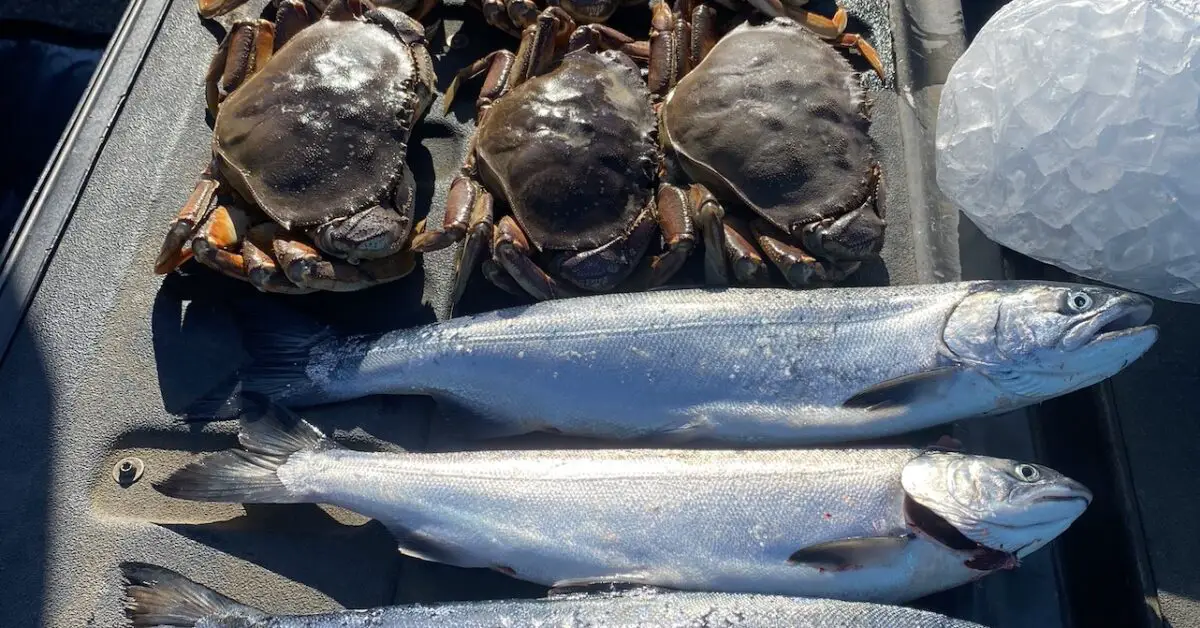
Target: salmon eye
1079, 301
1027, 473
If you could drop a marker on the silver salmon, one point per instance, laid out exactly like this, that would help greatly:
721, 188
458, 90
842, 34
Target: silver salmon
874, 524
155, 593
736, 365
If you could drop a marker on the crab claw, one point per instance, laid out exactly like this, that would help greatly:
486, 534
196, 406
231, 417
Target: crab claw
855, 236
209, 9
174, 251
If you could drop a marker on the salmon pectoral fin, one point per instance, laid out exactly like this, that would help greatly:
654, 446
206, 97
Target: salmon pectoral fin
904, 391
424, 547
854, 553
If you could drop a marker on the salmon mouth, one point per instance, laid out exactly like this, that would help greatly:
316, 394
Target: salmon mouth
1126, 315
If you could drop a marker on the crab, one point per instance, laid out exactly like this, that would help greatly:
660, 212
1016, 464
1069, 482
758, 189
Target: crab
796, 153
513, 16
308, 188
567, 142
209, 9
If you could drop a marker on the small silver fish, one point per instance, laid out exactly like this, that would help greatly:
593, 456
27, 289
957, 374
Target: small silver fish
876, 524
155, 594
761, 366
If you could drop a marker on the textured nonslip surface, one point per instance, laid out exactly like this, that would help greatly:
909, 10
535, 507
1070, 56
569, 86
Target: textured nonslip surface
1068, 132
1155, 400
109, 351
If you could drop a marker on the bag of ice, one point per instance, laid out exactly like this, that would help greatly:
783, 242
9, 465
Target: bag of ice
1068, 131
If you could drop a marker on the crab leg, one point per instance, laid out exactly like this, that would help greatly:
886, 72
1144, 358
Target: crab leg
835, 31
709, 218
499, 66
175, 251
505, 70
501, 279
681, 29
479, 237
466, 194
496, 14
749, 268
538, 44
261, 269
511, 250
522, 12
824, 27
460, 204
680, 38
224, 244
727, 243
306, 267
704, 33
469, 215
291, 17
595, 37
666, 65
860, 45
244, 50
209, 9
219, 237
674, 217
799, 267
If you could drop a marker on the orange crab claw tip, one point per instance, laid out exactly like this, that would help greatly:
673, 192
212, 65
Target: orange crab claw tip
426, 242
170, 260
214, 8
174, 251
872, 58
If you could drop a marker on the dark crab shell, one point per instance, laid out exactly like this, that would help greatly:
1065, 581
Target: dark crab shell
774, 116
573, 151
320, 132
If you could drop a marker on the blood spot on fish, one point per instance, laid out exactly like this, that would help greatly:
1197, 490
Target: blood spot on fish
828, 515
508, 571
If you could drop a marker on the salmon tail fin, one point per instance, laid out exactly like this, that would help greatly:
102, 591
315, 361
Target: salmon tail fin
156, 596
281, 342
270, 435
